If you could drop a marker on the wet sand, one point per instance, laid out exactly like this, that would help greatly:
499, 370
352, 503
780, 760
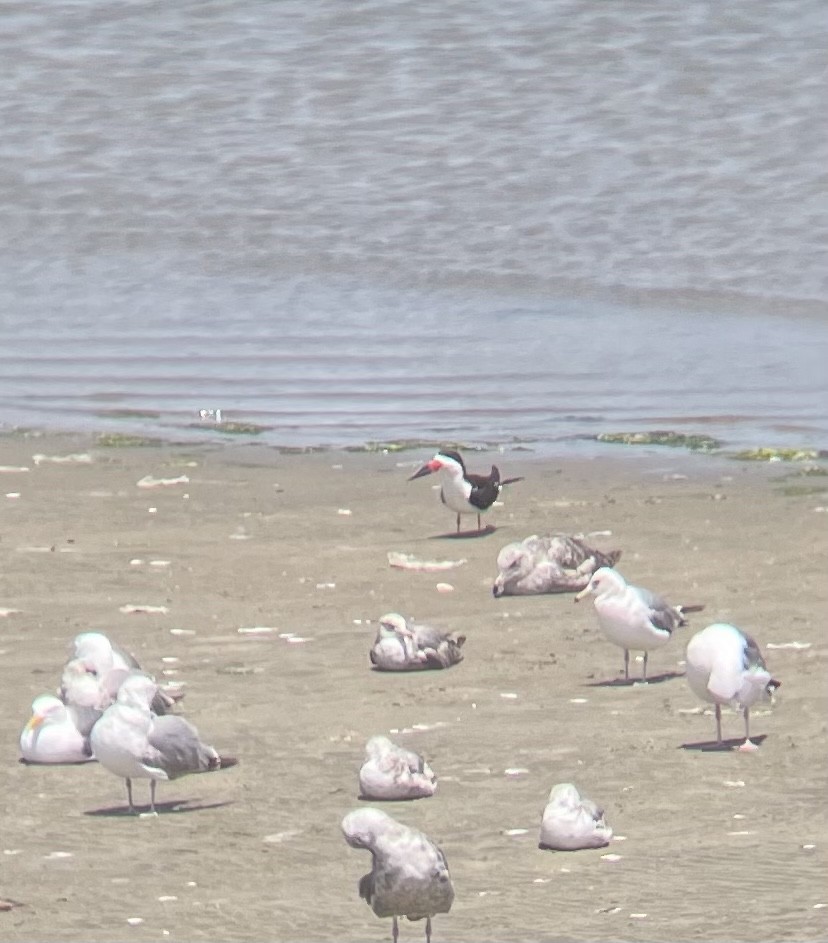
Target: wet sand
718, 845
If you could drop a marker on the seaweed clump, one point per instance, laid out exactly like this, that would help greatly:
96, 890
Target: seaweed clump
697, 443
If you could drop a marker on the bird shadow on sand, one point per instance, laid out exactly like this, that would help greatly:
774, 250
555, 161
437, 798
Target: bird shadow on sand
362, 798
25, 762
632, 682
713, 746
466, 534
175, 806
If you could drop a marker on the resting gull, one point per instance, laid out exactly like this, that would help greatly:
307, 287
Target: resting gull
409, 876
555, 563
110, 664
392, 772
725, 666
51, 734
632, 617
132, 742
403, 645
571, 821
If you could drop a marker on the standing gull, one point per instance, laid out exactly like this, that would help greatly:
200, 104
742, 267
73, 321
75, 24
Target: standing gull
83, 693
392, 772
132, 742
403, 645
572, 821
110, 664
632, 617
552, 564
462, 491
52, 735
725, 666
409, 876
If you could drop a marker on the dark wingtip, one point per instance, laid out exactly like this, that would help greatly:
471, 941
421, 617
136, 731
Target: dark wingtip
614, 556
461, 641
225, 762
773, 684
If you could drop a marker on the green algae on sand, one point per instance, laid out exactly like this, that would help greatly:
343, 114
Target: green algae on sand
697, 443
779, 455
120, 440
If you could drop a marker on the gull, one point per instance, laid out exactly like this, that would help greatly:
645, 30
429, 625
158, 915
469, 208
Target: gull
83, 693
392, 772
556, 563
52, 735
462, 491
403, 645
132, 742
632, 617
409, 876
572, 821
725, 666
110, 664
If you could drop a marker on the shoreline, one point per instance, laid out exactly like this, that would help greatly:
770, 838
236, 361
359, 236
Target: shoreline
672, 447
296, 546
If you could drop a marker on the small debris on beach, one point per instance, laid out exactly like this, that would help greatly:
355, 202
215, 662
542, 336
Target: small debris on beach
149, 482
76, 458
150, 610
407, 561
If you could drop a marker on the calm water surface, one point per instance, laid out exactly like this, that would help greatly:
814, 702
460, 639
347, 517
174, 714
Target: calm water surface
379, 220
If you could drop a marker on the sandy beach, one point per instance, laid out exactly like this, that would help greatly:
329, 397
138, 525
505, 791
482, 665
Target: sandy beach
710, 845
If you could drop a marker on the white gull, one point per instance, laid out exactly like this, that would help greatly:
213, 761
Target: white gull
632, 617
132, 742
725, 666
392, 772
110, 664
571, 821
403, 645
555, 563
51, 734
409, 876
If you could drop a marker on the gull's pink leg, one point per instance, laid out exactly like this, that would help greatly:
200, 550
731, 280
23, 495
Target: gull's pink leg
747, 746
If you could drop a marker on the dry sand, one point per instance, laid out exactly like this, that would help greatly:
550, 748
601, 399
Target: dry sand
718, 845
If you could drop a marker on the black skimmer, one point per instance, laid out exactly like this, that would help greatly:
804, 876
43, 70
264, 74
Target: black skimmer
632, 617
460, 490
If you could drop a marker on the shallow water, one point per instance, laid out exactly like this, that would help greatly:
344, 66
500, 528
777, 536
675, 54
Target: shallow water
534, 221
